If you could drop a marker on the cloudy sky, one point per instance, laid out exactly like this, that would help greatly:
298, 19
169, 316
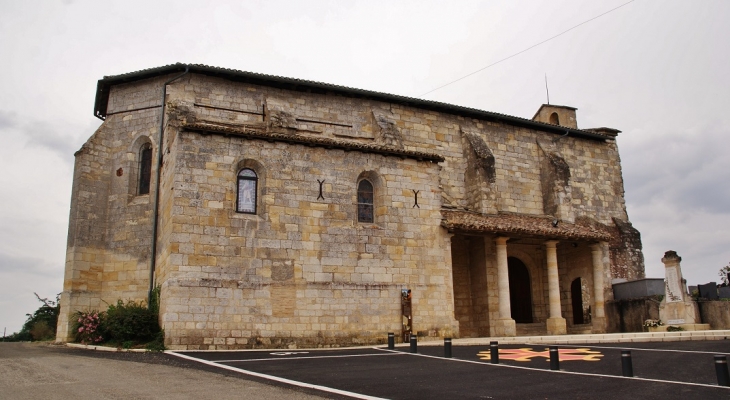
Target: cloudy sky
658, 70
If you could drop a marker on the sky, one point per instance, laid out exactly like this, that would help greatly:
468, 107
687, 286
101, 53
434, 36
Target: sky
655, 69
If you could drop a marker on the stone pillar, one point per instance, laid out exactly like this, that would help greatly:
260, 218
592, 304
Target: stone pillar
673, 277
506, 325
556, 324
598, 318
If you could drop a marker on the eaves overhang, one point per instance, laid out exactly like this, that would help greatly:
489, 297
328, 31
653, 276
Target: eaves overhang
520, 225
104, 85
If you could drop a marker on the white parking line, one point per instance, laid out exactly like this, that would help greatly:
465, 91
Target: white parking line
278, 379
563, 372
627, 348
307, 357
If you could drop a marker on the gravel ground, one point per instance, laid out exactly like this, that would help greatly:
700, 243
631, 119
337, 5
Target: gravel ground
48, 371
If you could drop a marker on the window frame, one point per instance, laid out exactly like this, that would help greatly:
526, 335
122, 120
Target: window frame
144, 176
243, 178
365, 204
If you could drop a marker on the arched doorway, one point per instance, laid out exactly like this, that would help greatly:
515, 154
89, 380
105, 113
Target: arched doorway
520, 294
576, 294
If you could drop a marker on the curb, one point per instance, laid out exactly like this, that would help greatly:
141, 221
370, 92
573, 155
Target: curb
104, 348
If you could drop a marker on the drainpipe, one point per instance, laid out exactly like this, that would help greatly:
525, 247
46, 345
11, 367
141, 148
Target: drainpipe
156, 209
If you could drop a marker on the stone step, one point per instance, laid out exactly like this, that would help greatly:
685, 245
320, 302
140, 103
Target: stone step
534, 329
582, 329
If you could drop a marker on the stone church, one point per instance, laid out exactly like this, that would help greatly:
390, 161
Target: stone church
278, 212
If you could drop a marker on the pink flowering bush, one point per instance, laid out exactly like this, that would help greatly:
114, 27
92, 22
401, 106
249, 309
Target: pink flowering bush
86, 327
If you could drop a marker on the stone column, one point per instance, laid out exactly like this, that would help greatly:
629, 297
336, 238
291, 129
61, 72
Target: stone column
506, 325
556, 324
598, 318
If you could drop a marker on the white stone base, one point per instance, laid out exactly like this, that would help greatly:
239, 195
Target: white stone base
556, 326
505, 327
679, 313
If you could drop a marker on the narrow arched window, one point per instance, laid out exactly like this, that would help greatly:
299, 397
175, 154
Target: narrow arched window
247, 185
145, 169
554, 119
365, 197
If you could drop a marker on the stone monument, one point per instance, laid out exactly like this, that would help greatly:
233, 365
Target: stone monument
677, 308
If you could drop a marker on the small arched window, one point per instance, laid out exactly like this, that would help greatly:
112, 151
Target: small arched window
247, 186
145, 169
365, 198
554, 119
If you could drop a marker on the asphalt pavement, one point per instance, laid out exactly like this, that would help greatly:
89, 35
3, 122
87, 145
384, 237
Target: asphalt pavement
667, 370
46, 371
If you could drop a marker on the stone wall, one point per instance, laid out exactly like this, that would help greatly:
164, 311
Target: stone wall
303, 270
629, 315
109, 239
715, 313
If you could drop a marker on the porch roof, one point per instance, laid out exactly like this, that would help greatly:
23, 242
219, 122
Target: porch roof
524, 225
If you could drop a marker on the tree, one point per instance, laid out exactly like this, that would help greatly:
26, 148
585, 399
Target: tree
41, 325
723, 274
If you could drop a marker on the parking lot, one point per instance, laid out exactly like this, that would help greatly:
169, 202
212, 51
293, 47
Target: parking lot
664, 370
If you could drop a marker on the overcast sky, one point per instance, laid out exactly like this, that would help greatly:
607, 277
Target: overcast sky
657, 70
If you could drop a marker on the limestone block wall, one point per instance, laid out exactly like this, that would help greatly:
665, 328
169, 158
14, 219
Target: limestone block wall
471, 297
532, 254
303, 270
595, 165
463, 298
575, 260
108, 248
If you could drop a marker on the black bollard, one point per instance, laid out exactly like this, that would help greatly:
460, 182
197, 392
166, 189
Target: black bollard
723, 379
494, 352
626, 368
391, 340
447, 347
554, 358
414, 344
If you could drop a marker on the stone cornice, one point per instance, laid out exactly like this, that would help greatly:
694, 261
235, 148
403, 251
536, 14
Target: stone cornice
329, 143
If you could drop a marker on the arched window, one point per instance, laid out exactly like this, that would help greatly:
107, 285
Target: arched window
554, 119
247, 185
365, 198
145, 169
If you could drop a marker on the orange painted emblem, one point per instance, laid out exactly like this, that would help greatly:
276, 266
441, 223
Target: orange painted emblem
527, 354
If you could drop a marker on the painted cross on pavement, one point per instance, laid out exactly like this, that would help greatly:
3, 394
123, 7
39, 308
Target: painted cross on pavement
527, 354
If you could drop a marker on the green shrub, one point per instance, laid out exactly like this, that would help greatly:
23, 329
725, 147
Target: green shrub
674, 329
158, 344
130, 321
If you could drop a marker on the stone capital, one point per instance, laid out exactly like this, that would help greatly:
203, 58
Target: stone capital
501, 240
551, 244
